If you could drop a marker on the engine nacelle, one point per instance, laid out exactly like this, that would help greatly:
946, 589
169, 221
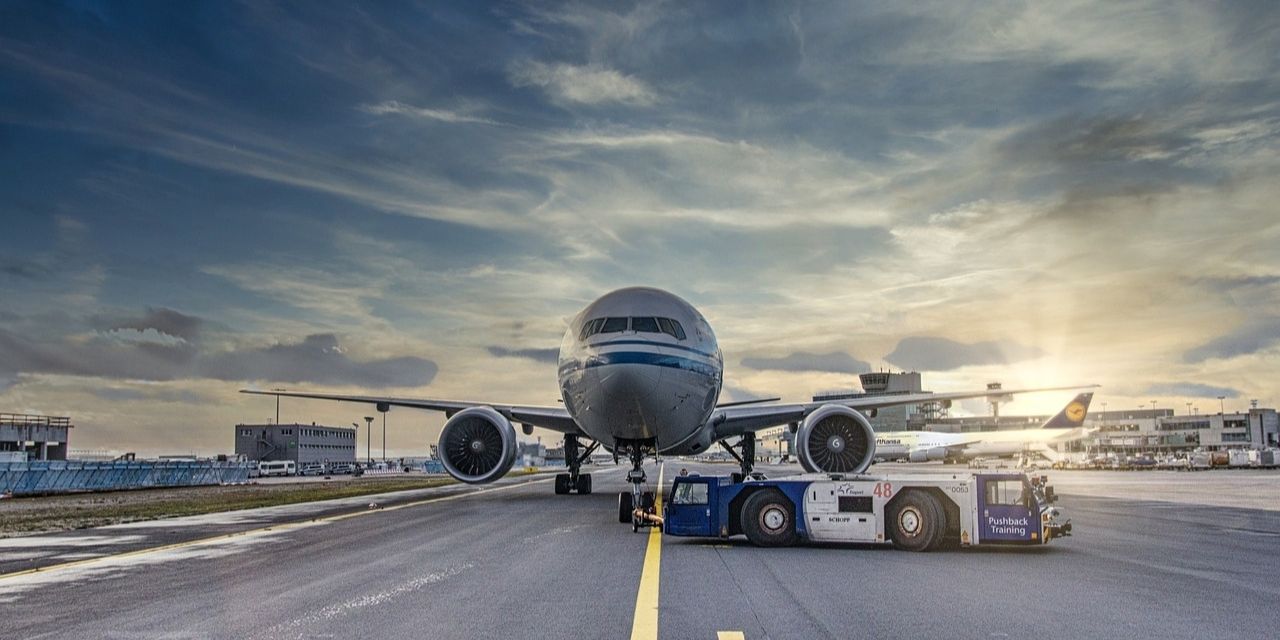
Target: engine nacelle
477, 445
835, 439
925, 455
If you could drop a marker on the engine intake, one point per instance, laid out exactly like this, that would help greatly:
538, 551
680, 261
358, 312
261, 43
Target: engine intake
835, 439
478, 445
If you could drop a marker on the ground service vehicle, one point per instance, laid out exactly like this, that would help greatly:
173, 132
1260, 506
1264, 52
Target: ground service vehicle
917, 512
277, 468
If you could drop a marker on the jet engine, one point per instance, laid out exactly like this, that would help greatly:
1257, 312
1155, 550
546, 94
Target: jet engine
835, 439
924, 455
478, 445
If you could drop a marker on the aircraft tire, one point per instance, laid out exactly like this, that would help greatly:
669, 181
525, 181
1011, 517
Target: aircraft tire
584, 484
625, 507
562, 484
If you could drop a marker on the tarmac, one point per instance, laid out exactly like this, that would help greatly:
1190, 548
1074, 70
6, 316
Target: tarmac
515, 560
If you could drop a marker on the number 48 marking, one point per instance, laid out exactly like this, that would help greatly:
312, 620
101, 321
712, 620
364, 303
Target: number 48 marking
883, 490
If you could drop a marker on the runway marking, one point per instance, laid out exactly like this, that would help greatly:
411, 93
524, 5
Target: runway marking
644, 624
730, 635
285, 526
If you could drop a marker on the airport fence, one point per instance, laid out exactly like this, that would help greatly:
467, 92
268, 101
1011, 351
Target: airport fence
67, 476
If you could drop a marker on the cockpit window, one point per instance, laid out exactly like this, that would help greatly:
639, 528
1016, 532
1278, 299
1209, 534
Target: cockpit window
644, 325
614, 325
590, 328
671, 328
641, 324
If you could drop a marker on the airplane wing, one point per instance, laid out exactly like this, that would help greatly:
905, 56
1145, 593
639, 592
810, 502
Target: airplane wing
553, 418
738, 420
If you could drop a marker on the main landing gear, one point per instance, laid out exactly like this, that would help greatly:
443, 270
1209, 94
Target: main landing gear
575, 480
637, 499
745, 455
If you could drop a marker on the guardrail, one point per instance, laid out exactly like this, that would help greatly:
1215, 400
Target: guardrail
67, 476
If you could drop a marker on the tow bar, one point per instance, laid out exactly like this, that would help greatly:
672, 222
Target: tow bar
646, 518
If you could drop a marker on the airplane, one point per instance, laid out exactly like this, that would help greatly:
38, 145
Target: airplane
640, 374
920, 446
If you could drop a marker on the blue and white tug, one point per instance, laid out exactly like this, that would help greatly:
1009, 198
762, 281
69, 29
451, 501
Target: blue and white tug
916, 512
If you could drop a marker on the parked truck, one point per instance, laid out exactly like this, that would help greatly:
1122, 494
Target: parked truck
916, 512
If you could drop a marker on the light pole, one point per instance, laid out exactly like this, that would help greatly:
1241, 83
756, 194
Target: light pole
1188, 408
277, 405
1221, 405
384, 436
368, 441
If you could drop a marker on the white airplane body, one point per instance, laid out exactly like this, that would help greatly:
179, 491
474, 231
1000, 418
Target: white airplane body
919, 446
640, 373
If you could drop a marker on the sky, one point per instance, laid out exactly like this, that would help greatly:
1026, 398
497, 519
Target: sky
411, 199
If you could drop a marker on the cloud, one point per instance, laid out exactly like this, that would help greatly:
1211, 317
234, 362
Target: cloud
537, 355
929, 353
441, 115
159, 319
834, 362
1251, 337
318, 358
126, 394
590, 84
1190, 390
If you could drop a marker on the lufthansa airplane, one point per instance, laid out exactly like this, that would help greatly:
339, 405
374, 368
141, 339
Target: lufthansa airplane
919, 446
640, 374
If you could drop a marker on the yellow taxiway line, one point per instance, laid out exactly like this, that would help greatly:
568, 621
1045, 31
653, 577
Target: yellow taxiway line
644, 626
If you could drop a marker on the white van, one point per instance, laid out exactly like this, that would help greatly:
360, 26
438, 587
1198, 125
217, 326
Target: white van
277, 468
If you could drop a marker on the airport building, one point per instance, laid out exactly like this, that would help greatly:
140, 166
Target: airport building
1159, 430
1146, 430
32, 437
883, 383
301, 443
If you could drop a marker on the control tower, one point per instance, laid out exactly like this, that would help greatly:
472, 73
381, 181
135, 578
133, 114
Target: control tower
885, 383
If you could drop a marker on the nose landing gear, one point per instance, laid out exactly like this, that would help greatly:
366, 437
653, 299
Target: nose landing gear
637, 506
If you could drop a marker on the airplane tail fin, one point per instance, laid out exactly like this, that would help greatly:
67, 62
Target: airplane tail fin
1071, 415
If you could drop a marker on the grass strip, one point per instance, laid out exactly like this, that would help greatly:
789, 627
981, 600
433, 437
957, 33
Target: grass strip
59, 513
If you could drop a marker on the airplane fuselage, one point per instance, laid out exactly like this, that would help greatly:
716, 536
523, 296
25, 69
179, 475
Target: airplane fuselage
899, 444
641, 364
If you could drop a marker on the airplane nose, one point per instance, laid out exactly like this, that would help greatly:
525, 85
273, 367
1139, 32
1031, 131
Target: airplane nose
629, 383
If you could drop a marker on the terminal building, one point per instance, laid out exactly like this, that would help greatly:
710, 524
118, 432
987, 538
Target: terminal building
301, 443
32, 437
1159, 431
1145, 430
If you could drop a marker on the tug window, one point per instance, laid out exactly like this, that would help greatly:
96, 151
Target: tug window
690, 493
1006, 492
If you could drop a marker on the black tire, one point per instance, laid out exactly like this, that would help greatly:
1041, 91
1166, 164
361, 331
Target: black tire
769, 519
916, 522
584, 484
625, 507
562, 484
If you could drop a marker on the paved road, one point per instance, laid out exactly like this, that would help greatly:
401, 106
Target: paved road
521, 562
